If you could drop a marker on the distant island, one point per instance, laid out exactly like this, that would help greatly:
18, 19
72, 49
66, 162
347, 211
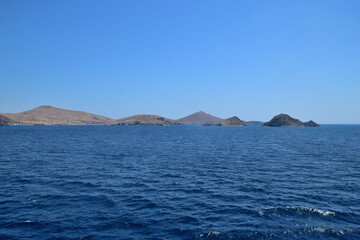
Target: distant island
233, 121
144, 119
254, 123
284, 120
199, 118
48, 115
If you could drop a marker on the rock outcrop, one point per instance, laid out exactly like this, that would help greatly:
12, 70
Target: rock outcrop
5, 121
284, 120
199, 118
233, 121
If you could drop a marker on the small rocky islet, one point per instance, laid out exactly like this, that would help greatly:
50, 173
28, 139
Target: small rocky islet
284, 120
48, 115
233, 121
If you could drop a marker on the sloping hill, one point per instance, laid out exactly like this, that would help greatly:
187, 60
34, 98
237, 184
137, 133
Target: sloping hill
144, 119
199, 118
254, 122
49, 115
284, 120
311, 124
5, 121
233, 121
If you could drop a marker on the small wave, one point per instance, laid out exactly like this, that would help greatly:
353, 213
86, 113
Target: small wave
149, 205
23, 224
327, 230
322, 231
298, 210
101, 198
211, 235
188, 220
236, 235
180, 231
136, 225
112, 156
80, 183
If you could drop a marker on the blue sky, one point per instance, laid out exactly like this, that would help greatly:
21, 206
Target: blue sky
253, 59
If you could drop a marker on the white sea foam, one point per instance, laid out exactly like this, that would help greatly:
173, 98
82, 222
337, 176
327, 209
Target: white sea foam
210, 234
314, 210
318, 229
299, 210
334, 231
338, 232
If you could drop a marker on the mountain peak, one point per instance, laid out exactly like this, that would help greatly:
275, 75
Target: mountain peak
45, 106
199, 118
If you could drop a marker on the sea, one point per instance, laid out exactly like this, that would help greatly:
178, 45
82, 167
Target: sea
179, 182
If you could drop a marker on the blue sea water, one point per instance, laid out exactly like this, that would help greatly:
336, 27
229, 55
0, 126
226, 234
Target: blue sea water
179, 182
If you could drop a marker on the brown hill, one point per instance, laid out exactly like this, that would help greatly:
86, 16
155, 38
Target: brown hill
144, 119
5, 121
233, 121
199, 118
49, 115
284, 120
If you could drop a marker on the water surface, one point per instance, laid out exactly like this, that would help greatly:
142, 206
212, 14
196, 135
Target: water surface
179, 182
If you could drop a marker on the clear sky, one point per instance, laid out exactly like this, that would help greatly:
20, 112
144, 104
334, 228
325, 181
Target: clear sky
253, 59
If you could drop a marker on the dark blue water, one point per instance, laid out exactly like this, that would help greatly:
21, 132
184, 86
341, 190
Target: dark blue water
180, 182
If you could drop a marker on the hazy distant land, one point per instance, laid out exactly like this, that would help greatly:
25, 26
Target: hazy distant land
233, 121
199, 118
144, 119
48, 115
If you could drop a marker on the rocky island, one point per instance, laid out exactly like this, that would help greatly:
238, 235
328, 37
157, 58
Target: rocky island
144, 119
199, 118
284, 120
233, 121
48, 115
